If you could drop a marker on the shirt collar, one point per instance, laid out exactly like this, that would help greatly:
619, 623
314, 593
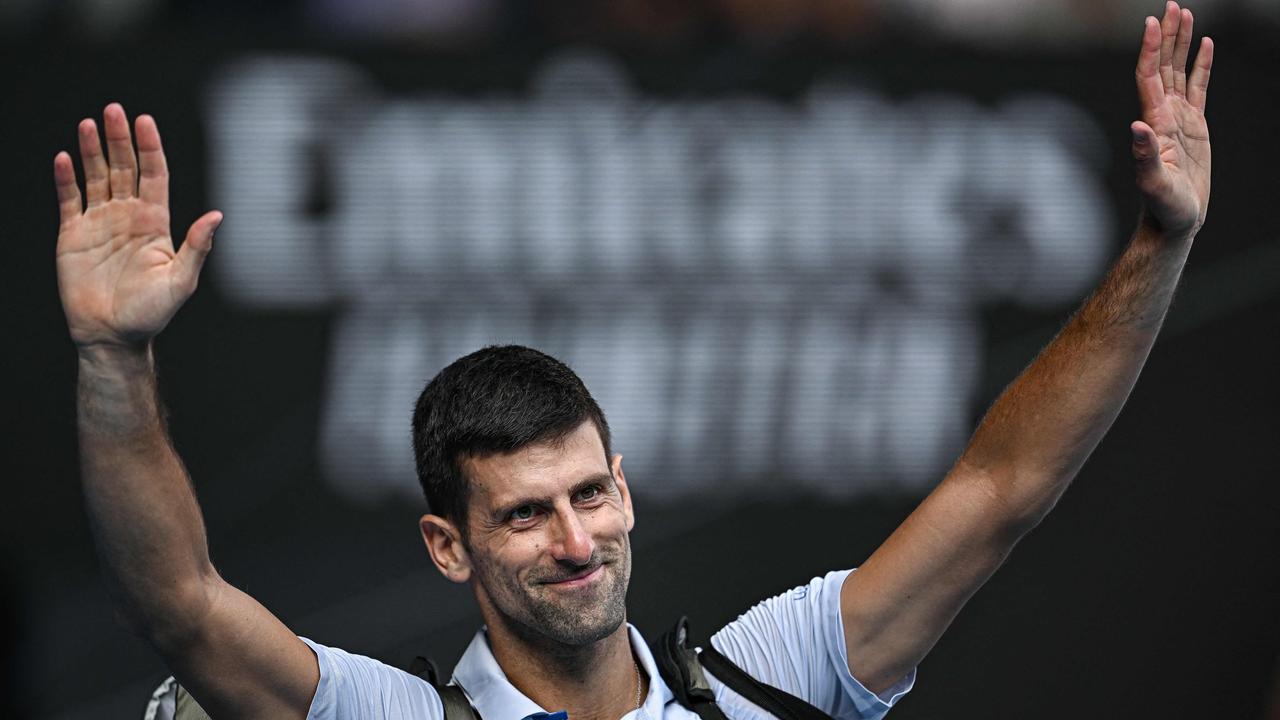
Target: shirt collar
495, 698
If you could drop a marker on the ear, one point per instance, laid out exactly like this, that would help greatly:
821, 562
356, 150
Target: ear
444, 542
621, 479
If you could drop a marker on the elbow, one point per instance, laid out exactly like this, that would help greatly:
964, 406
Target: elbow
1022, 515
168, 616
1029, 519
1017, 500
1027, 498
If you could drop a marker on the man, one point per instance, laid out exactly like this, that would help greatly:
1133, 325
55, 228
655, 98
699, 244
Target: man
530, 506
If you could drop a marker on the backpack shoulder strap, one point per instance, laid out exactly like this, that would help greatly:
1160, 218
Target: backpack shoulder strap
682, 668
779, 702
456, 704
678, 664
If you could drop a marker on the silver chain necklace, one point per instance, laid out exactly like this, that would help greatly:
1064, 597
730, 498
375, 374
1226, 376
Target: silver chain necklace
639, 685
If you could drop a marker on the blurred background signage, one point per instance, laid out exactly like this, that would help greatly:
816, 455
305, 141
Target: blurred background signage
751, 286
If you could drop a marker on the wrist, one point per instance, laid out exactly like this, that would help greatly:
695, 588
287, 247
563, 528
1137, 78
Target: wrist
116, 357
1150, 227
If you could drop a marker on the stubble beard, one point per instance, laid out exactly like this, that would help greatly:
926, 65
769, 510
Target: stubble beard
573, 618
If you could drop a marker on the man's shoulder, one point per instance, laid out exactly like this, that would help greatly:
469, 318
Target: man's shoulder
354, 685
794, 641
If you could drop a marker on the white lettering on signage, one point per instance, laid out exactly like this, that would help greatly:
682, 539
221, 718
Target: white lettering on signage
756, 291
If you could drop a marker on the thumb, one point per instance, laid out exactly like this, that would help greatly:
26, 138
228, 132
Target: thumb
1146, 148
195, 248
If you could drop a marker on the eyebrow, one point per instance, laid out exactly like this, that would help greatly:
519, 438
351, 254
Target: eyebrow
546, 500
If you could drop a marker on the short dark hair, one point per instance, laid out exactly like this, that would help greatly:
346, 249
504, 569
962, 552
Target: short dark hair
497, 399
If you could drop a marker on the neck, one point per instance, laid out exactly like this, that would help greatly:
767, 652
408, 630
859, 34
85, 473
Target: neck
592, 682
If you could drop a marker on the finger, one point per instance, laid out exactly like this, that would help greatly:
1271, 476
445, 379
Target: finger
1198, 85
124, 166
1168, 36
1146, 147
64, 179
1146, 155
1150, 89
153, 185
1180, 49
97, 189
195, 248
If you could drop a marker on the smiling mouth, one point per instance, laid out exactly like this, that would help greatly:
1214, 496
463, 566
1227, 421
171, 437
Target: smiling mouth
580, 578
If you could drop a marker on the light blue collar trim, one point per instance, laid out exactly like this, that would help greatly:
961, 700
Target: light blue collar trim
495, 698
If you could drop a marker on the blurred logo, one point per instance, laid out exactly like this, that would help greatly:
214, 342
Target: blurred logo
764, 295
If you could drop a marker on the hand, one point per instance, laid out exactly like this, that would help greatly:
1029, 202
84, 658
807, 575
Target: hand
1171, 142
118, 275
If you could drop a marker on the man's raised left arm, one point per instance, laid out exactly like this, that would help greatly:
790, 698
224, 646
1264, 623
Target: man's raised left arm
1042, 428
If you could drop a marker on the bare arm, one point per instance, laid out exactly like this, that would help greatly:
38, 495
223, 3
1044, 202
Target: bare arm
121, 281
1043, 427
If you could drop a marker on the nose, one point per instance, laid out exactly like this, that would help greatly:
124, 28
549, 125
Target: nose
573, 543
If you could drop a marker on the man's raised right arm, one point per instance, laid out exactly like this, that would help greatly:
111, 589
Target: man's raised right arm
121, 281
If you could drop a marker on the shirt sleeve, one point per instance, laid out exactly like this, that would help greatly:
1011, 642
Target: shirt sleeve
356, 687
795, 642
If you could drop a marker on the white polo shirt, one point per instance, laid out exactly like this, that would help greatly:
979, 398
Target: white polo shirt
794, 641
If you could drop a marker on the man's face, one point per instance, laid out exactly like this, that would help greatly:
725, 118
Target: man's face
548, 534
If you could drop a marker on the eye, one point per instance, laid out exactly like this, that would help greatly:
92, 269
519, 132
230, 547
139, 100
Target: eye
524, 512
590, 492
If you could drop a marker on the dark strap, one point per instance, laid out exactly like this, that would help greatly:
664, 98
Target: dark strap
678, 664
778, 702
682, 668
426, 670
455, 702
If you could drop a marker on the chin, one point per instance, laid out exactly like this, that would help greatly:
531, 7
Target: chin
577, 626
582, 635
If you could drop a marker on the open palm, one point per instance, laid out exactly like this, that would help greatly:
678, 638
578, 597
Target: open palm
1171, 142
119, 277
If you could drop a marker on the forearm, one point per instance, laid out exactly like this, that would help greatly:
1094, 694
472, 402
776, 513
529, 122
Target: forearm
147, 524
1043, 427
